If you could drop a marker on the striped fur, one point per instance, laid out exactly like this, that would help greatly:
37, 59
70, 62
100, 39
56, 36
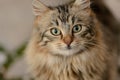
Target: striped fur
85, 55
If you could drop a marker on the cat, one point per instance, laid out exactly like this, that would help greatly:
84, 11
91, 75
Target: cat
68, 42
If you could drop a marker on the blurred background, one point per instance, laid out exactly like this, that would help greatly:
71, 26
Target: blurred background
16, 21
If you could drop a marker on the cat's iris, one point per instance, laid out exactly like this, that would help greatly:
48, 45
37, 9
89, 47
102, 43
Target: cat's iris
77, 28
55, 31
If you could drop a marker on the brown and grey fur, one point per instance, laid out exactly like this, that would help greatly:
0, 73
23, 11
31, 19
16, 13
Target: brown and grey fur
90, 54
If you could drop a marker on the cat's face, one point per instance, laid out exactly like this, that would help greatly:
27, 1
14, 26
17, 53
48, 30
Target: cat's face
66, 30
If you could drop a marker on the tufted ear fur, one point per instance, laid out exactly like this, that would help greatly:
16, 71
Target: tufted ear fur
39, 8
82, 4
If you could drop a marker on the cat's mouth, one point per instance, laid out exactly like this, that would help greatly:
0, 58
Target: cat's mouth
68, 47
66, 50
70, 50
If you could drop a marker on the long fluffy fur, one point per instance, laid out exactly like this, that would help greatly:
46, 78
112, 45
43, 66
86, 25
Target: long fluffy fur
96, 62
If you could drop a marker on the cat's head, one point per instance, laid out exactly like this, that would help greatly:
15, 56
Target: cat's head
65, 30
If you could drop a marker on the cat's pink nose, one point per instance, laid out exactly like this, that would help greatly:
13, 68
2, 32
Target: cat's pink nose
68, 40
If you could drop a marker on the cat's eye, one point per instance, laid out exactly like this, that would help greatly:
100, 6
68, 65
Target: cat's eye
77, 28
55, 31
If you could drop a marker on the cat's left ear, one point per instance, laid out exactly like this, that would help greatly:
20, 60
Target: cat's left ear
82, 4
39, 8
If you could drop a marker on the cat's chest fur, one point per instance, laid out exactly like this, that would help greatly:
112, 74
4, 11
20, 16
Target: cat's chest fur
78, 67
64, 70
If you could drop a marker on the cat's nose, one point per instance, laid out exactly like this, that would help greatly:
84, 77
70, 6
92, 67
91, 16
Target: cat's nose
68, 40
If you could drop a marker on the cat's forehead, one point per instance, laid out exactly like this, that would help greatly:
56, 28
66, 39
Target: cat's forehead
65, 13
62, 12
61, 15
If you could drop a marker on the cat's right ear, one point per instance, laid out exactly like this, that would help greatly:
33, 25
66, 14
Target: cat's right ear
39, 8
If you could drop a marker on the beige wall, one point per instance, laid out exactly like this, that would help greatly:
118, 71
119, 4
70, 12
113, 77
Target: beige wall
15, 22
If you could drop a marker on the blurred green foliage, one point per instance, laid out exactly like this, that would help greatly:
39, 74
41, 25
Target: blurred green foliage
2, 49
11, 57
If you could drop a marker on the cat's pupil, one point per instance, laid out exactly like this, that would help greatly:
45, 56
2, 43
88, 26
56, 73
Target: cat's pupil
55, 31
76, 28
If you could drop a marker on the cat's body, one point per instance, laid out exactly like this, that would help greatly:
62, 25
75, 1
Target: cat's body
69, 43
